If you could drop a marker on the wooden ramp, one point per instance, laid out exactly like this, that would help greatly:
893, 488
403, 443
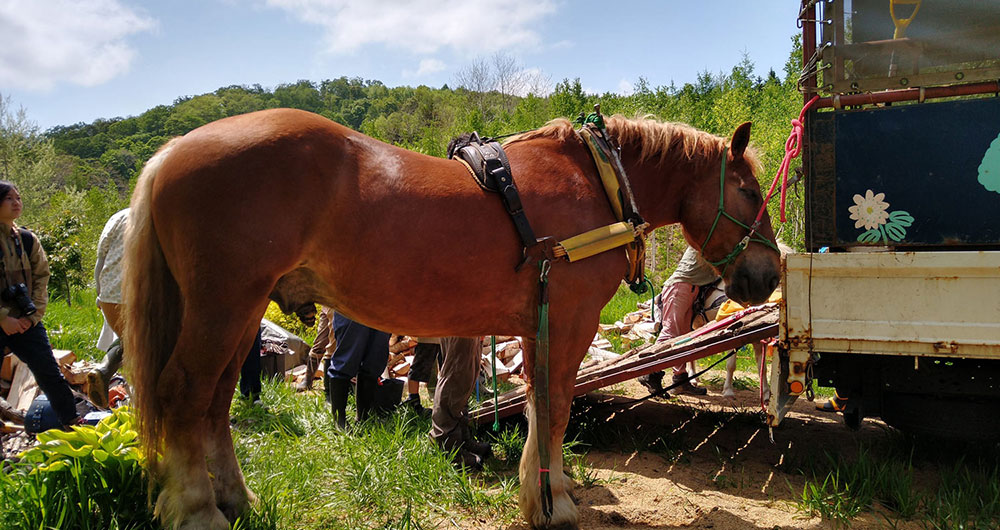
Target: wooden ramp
761, 323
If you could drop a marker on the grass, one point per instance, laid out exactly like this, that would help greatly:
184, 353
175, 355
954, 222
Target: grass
382, 474
75, 327
387, 474
623, 302
883, 479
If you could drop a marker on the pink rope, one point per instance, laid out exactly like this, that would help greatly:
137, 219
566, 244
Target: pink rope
793, 146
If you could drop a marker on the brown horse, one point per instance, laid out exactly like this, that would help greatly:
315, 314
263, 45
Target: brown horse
287, 205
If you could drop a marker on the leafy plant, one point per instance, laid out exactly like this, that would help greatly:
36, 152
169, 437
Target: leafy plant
89, 477
65, 256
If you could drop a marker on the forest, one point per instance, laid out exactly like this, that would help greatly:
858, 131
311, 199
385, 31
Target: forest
73, 177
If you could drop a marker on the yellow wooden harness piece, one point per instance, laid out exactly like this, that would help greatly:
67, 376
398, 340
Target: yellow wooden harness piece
611, 236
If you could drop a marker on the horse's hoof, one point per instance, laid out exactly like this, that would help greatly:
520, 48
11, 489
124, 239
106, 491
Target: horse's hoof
209, 521
233, 508
728, 393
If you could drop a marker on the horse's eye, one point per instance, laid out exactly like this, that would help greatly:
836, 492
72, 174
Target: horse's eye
749, 194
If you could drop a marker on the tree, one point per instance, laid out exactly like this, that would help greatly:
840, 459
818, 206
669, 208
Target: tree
193, 113
65, 256
477, 79
27, 158
568, 99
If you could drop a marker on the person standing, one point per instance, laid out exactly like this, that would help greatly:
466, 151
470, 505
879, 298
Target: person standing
361, 352
450, 416
320, 352
675, 303
24, 271
108, 281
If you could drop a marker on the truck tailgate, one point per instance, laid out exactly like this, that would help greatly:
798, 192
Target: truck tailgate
937, 304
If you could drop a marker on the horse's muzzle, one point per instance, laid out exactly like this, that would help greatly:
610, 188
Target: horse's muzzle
753, 282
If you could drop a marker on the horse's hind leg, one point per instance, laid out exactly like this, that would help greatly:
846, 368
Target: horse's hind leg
232, 495
205, 350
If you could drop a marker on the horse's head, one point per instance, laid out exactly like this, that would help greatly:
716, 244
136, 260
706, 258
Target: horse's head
720, 226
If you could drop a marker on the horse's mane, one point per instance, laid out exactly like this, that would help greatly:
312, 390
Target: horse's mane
668, 141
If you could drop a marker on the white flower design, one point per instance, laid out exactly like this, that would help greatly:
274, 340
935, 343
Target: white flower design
869, 211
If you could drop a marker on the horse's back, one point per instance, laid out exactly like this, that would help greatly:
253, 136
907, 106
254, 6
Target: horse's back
248, 185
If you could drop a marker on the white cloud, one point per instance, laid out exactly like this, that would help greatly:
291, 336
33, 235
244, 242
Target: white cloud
421, 26
626, 87
426, 67
56, 41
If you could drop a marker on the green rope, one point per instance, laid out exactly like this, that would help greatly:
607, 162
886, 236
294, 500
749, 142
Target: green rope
542, 388
745, 242
496, 399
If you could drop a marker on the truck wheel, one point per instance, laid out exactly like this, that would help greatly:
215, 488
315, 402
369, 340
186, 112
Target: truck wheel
943, 417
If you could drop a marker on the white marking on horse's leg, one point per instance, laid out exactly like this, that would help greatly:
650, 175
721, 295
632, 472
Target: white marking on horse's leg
529, 498
727, 388
564, 512
187, 501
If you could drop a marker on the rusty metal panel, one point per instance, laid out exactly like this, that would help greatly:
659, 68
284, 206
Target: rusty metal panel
939, 304
913, 176
946, 43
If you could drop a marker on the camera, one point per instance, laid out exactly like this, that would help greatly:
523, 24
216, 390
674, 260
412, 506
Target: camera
17, 295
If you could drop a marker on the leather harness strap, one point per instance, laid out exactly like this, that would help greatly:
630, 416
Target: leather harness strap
494, 175
489, 167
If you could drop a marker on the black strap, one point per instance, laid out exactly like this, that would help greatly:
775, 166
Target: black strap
498, 172
27, 239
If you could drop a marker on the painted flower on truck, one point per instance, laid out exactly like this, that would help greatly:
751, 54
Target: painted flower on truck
871, 212
989, 169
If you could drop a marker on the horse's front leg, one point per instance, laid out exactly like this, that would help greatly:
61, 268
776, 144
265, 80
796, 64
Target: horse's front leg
566, 351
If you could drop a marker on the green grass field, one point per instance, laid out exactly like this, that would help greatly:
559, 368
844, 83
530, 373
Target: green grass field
387, 474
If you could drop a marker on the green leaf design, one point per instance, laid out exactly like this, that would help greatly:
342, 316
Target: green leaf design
895, 231
870, 236
901, 218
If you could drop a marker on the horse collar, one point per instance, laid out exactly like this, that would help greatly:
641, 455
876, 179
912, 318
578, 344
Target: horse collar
619, 192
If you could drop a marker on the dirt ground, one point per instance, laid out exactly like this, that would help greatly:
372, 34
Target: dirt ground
717, 469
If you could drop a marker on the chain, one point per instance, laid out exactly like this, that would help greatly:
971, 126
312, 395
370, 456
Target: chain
813, 67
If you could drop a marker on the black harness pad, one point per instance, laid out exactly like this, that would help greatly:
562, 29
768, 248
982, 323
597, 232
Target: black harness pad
491, 170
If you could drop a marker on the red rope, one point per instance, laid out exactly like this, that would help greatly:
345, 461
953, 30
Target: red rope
793, 146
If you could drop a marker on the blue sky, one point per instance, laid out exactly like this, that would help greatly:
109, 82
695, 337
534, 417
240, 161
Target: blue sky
67, 61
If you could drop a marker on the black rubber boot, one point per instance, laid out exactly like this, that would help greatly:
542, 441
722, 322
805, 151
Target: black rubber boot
469, 443
364, 399
682, 385
338, 389
99, 378
326, 380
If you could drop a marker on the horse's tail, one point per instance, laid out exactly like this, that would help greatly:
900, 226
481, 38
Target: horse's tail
153, 309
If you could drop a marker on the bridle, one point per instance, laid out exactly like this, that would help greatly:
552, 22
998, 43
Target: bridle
751, 230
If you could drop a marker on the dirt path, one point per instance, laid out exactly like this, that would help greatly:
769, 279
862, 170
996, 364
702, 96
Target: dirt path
712, 468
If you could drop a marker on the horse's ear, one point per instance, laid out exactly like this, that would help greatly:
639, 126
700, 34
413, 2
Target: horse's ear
741, 138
